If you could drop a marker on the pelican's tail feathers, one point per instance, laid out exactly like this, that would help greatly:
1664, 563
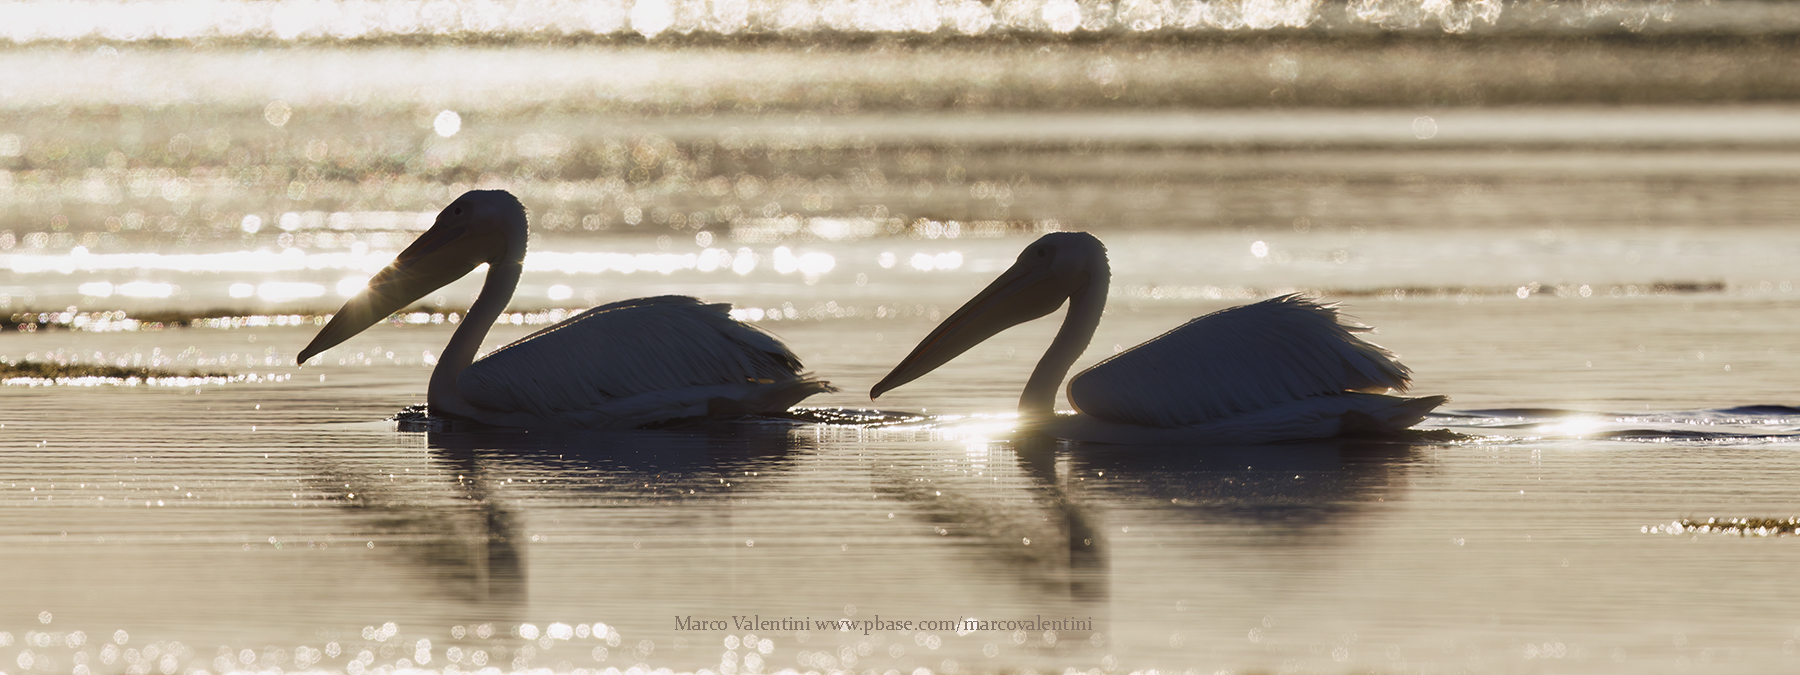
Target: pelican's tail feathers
1397, 415
661, 407
776, 397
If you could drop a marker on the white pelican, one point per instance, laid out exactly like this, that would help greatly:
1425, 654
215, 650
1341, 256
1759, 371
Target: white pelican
620, 365
1280, 369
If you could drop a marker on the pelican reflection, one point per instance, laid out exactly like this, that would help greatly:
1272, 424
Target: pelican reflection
1042, 506
444, 523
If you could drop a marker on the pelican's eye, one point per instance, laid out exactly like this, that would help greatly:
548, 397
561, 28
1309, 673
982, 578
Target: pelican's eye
1041, 252
457, 210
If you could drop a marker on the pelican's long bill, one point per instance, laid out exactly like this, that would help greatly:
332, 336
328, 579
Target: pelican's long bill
439, 256
1026, 291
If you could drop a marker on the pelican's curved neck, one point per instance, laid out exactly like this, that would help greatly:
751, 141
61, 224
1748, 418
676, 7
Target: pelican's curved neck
1085, 306
443, 396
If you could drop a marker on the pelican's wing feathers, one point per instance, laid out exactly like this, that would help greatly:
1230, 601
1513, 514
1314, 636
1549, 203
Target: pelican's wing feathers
626, 349
1235, 361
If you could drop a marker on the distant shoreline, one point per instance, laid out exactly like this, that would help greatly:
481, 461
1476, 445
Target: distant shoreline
826, 75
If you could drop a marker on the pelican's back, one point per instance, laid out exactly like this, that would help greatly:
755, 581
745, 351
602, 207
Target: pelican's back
625, 349
1235, 361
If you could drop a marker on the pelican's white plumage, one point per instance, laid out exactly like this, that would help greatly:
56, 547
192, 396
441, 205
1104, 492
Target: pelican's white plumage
661, 357
1234, 361
1287, 368
624, 364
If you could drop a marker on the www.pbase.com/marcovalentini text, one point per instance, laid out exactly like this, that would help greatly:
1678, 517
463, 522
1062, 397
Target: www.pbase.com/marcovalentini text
959, 624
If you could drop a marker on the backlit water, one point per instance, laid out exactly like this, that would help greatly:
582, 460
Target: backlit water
1606, 292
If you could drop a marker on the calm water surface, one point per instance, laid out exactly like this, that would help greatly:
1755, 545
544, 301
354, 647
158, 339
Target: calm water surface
285, 518
1600, 290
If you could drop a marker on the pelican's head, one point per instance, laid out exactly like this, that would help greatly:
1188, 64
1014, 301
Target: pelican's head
482, 226
1048, 272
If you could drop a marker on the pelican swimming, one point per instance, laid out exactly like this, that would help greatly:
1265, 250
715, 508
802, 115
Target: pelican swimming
1282, 369
620, 365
